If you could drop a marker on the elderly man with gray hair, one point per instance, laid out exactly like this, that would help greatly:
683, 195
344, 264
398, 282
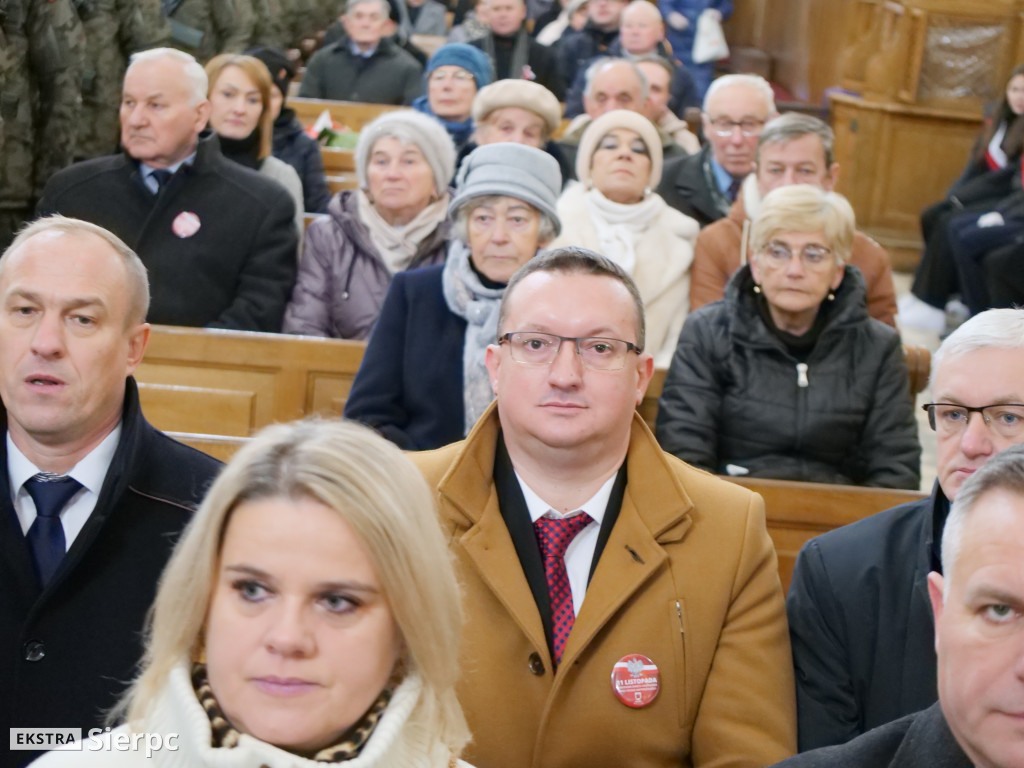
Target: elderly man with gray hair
365, 65
703, 186
859, 618
977, 603
218, 239
792, 149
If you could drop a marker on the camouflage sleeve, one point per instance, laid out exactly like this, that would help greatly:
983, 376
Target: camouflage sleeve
142, 25
56, 44
232, 21
269, 28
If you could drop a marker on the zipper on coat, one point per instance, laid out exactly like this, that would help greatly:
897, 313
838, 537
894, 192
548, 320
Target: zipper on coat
801, 375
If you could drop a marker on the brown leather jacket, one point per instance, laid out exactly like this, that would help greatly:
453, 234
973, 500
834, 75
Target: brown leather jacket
717, 256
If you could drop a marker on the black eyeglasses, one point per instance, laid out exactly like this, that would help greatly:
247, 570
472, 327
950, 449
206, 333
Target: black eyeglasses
1007, 419
596, 352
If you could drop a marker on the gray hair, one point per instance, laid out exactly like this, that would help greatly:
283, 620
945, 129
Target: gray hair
755, 82
135, 270
193, 71
805, 208
604, 63
1003, 472
573, 260
654, 58
999, 328
385, 7
795, 125
547, 231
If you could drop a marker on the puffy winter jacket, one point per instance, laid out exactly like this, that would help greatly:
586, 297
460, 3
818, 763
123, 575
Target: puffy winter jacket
293, 146
342, 278
735, 401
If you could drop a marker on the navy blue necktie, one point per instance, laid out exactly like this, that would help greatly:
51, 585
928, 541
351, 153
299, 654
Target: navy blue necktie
161, 176
51, 493
734, 189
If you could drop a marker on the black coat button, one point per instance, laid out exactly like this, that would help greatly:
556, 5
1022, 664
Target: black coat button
34, 650
536, 665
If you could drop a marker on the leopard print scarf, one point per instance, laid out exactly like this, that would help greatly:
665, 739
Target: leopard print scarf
224, 734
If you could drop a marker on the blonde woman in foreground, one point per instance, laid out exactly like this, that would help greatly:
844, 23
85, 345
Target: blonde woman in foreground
309, 617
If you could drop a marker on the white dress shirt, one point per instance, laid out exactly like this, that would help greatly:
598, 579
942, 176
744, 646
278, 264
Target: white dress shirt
580, 553
90, 472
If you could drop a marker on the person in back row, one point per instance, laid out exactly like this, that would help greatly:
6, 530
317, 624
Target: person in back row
395, 220
365, 65
788, 377
792, 149
859, 618
624, 605
705, 185
453, 77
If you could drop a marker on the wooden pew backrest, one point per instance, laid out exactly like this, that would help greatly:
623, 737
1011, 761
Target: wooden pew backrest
352, 114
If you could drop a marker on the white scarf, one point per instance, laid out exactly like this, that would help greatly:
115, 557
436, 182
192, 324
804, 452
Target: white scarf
398, 245
468, 298
619, 227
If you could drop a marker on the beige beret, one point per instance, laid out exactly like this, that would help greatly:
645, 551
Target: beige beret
518, 93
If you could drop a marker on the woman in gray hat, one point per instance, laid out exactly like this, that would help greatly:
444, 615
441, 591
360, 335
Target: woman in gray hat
422, 383
396, 220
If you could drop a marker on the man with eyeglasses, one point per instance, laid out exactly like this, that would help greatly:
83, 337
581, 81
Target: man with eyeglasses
792, 149
623, 607
704, 185
860, 622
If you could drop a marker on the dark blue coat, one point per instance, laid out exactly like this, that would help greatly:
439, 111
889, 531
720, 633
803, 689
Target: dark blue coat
68, 650
409, 385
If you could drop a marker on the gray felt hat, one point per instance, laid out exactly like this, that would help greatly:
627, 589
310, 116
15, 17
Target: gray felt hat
514, 170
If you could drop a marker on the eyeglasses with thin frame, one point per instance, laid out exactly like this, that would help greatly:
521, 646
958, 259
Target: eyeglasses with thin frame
595, 352
749, 126
1007, 419
779, 254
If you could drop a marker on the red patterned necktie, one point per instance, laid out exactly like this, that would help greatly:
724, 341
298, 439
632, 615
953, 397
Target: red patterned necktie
554, 537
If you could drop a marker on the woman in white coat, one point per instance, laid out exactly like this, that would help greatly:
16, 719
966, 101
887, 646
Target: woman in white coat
613, 210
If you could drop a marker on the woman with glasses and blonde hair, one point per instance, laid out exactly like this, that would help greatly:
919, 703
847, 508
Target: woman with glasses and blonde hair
308, 617
788, 376
422, 382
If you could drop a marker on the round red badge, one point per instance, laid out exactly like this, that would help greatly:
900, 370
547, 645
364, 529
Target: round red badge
635, 680
185, 224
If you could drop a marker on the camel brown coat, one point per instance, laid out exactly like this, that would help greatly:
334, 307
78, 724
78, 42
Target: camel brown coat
718, 254
688, 578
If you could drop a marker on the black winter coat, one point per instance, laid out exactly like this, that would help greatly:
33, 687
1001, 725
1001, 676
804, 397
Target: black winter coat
734, 396
67, 651
861, 624
293, 146
235, 271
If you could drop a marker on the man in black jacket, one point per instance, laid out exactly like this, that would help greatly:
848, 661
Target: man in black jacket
859, 618
978, 632
218, 239
513, 53
705, 185
94, 496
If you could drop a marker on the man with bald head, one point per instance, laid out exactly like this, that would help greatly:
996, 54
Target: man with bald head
642, 35
705, 185
94, 497
218, 239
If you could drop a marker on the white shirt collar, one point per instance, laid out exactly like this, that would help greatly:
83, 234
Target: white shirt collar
91, 471
595, 506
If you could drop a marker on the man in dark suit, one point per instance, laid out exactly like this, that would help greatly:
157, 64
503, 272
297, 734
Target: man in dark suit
219, 240
979, 638
94, 497
513, 53
859, 618
704, 185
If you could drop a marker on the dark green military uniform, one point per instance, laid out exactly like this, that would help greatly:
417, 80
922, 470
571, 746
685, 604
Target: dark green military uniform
269, 30
205, 28
40, 99
114, 30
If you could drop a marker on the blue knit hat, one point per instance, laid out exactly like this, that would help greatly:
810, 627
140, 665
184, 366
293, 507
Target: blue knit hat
471, 59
